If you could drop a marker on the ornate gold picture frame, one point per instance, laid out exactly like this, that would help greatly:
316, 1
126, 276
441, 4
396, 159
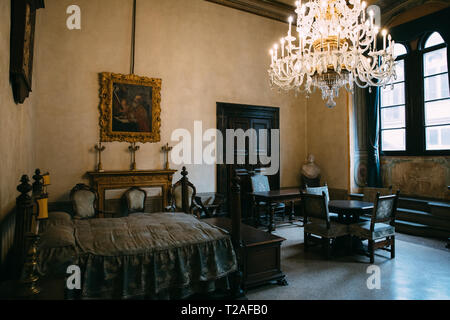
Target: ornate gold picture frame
130, 108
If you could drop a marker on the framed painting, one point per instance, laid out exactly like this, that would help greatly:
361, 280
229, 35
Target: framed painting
130, 108
23, 20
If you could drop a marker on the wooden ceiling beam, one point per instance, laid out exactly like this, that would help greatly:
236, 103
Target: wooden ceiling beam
271, 9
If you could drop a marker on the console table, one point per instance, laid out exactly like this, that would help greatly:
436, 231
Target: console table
111, 180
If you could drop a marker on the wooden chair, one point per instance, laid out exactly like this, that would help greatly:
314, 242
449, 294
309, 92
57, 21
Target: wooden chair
260, 183
207, 205
317, 221
182, 194
377, 228
370, 193
85, 202
135, 200
319, 191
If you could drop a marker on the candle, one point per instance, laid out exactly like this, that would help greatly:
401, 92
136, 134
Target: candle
282, 47
364, 11
384, 32
42, 208
290, 25
375, 34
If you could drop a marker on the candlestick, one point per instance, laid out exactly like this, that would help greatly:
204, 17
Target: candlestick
166, 149
133, 148
99, 149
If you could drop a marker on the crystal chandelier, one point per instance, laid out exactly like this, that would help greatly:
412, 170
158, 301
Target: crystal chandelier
336, 47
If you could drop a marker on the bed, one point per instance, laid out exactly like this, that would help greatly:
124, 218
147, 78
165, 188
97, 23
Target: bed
145, 255
162, 255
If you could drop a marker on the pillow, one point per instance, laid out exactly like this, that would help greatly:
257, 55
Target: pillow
56, 236
59, 215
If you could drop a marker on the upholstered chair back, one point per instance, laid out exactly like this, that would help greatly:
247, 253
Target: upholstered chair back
319, 191
178, 195
316, 207
370, 193
385, 208
84, 201
135, 199
183, 193
260, 183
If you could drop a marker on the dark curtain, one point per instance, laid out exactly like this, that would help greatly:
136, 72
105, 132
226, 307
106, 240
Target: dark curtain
373, 138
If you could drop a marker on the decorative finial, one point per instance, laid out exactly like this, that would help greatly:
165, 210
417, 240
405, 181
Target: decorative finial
25, 185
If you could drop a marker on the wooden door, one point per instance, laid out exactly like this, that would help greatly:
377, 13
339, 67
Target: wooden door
234, 116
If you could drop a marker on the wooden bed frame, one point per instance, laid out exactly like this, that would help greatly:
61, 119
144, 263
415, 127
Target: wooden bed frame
24, 217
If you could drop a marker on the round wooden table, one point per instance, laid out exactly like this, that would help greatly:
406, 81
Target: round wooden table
349, 211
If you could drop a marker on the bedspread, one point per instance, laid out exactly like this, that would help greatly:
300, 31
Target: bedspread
157, 255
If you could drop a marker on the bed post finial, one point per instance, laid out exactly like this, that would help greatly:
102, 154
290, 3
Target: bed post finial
24, 211
38, 184
236, 234
236, 211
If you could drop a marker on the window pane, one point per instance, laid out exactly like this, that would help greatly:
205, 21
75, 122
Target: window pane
435, 62
392, 97
436, 87
399, 50
393, 117
438, 138
400, 70
437, 112
434, 40
393, 140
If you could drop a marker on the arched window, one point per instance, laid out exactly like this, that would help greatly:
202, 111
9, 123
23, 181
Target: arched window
392, 107
436, 93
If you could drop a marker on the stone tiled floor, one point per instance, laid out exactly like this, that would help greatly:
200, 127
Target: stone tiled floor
418, 272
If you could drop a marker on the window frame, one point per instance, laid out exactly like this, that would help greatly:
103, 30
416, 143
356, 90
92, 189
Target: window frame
415, 98
403, 57
423, 51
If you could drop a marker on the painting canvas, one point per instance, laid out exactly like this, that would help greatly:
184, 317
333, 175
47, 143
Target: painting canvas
130, 108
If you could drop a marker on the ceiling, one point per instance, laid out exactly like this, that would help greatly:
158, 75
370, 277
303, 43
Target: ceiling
280, 10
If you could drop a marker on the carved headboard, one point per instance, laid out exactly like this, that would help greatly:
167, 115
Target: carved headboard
111, 184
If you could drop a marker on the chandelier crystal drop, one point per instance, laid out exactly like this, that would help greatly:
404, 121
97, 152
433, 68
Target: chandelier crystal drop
335, 46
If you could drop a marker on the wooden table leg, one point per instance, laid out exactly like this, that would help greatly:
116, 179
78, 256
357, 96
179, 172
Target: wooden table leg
257, 221
271, 210
292, 215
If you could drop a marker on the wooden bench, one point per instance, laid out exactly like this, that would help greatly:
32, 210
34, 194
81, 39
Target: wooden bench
260, 254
